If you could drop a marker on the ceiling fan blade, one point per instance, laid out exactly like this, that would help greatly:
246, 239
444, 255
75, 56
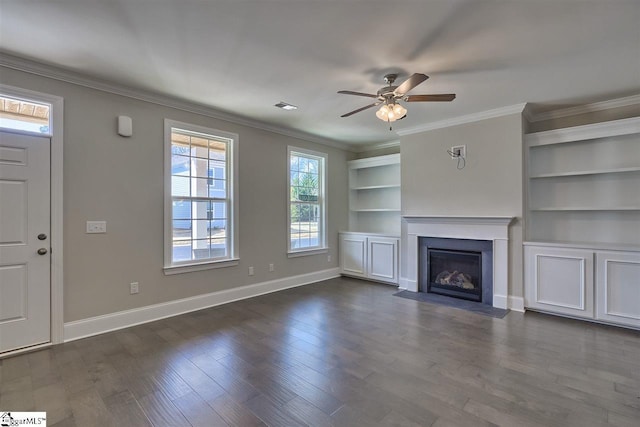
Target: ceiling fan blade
410, 83
350, 92
360, 109
444, 97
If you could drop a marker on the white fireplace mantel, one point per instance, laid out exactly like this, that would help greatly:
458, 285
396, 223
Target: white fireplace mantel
494, 228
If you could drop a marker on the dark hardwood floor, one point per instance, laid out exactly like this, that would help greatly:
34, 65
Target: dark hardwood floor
342, 352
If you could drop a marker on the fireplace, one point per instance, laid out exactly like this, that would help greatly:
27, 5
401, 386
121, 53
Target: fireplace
459, 268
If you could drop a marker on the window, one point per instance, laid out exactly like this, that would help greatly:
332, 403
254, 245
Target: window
307, 196
200, 197
26, 116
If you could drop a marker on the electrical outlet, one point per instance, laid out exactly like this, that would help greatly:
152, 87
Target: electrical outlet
328, 258
134, 288
458, 151
271, 267
250, 271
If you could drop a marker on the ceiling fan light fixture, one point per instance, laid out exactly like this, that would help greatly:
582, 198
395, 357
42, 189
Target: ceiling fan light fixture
391, 112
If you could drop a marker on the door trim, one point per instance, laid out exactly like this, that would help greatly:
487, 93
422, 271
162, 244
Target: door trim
57, 255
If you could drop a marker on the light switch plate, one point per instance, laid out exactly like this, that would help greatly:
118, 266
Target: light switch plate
96, 227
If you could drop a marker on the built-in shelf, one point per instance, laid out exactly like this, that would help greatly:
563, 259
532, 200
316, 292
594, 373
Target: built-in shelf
587, 172
582, 219
585, 208
376, 210
374, 195
584, 184
376, 187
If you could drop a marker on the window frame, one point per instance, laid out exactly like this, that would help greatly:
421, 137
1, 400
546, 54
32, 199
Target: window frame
322, 247
233, 256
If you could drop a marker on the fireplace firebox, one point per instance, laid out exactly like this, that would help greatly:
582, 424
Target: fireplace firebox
457, 268
455, 273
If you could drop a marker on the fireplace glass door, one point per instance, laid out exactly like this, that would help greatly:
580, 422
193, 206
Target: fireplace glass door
455, 273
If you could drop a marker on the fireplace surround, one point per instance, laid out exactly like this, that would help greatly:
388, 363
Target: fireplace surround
491, 228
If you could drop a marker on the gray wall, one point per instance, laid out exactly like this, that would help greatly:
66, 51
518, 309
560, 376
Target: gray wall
489, 185
120, 180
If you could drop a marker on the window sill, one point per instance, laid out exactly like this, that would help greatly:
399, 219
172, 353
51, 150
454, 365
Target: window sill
188, 268
295, 254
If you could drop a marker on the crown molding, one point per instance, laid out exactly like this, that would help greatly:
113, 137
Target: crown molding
49, 71
379, 146
583, 109
469, 118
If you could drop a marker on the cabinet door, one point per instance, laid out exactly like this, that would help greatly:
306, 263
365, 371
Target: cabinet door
618, 287
353, 255
559, 280
383, 259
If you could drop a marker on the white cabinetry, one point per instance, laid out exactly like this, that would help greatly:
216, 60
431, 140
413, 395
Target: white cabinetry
353, 254
369, 256
591, 283
559, 280
582, 221
618, 290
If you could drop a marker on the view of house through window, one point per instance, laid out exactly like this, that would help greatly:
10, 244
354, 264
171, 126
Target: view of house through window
200, 199
24, 115
306, 200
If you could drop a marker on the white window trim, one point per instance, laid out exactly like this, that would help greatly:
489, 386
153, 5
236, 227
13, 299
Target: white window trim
232, 221
322, 235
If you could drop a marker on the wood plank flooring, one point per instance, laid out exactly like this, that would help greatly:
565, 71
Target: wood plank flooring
342, 352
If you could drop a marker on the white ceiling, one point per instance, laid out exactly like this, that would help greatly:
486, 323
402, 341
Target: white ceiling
243, 56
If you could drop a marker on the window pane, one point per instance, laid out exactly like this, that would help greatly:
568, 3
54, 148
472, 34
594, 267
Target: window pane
181, 229
217, 154
180, 185
199, 151
219, 248
200, 228
201, 249
200, 187
180, 165
199, 167
200, 209
218, 211
218, 229
181, 251
181, 209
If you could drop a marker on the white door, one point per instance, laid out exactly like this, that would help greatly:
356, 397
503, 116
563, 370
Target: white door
25, 261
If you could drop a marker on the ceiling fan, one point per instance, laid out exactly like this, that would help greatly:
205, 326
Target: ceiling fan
389, 96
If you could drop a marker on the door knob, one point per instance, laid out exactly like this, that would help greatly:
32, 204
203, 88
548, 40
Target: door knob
42, 251
42, 236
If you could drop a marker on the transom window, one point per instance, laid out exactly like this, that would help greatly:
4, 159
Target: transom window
201, 225
26, 116
306, 200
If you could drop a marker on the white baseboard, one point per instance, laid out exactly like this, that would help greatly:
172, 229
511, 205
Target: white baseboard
124, 319
516, 304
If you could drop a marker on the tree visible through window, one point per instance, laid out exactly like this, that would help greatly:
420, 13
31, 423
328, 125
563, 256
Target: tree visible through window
306, 200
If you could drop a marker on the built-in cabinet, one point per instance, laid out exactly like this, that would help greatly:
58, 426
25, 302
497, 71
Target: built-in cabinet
369, 256
582, 249
369, 249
